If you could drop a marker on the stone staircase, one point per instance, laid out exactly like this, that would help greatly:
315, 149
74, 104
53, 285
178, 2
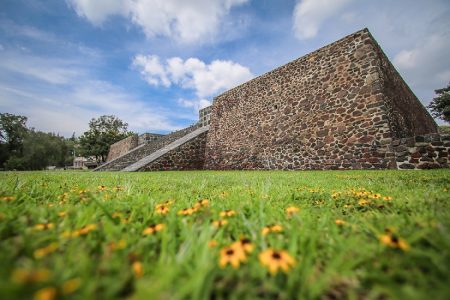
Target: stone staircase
160, 152
144, 150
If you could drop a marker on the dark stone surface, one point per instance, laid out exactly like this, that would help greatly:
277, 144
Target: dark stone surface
320, 111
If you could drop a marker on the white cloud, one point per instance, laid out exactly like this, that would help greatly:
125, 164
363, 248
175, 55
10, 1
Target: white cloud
186, 21
62, 96
426, 62
310, 14
205, 79
196, 104
152, 70
98, 11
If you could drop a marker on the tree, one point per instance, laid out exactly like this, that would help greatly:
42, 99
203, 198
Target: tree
12, 130
40, 150
440, 105
103, 132
12, 133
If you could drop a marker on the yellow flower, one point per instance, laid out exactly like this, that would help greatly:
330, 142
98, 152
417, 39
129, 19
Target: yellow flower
102, 188
71, 286
245, 244
154, 228
118, 188
387, 198
23, 276
121, 244
227, 213
275, 260
7, 198
292, 210
162, 210
167, 203
339, 222
271, 228
201, 203
212, 243
44, 226
86, 229
48, 293
62, 214
392, 240
219, 223
138, 270
376, 196
363, 202
232, 255
187, 211
41, 252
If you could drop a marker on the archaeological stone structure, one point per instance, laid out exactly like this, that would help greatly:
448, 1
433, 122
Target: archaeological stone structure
343, 106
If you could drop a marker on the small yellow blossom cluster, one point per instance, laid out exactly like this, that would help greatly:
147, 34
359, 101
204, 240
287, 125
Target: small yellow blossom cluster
44, 226
82, 231
50, 293
119, 245
274, 228
200, 204
223, 215
7, 198
26, 276
392, 240
163, 208
120, 217
41, 252
292, 210
153, 228
361, 198
275, 260
236, 253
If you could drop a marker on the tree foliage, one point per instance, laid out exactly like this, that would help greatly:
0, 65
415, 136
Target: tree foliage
12, 130
103, 132
440, 105
40, 150
22, 148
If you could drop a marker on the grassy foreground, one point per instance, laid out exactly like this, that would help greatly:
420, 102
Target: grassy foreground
238, 235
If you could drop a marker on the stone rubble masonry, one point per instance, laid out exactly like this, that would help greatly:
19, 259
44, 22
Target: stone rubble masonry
429, 151
204, 116
144, 150
343, 106
122, 147
188, 156
339, 107
148, 137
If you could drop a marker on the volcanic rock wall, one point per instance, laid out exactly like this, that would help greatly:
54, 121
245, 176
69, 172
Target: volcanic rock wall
189, 156
122, 147
430, 151
331, 109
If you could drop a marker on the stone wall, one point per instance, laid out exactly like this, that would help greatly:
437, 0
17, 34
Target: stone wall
421, 152
330, 109
406, 114
122, 147
148, 137
145, 149
204, 115
189, 156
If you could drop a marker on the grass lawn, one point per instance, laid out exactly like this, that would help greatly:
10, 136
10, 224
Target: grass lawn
221, 235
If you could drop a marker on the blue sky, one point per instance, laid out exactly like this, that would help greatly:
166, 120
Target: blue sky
153, 63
